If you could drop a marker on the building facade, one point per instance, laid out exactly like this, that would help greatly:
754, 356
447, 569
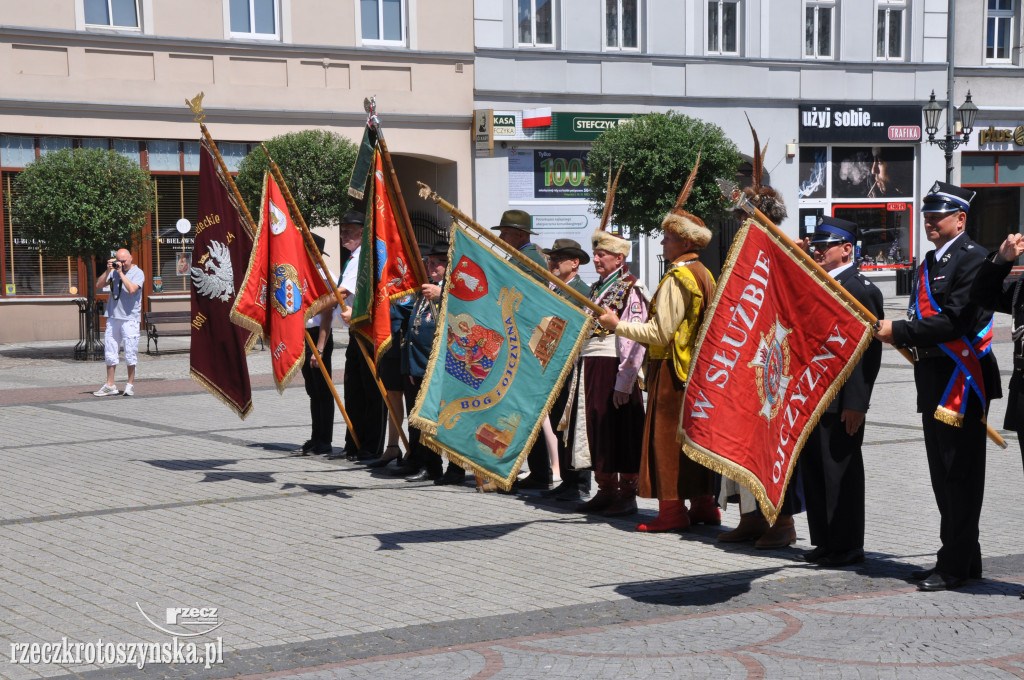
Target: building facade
837, 88
115, 74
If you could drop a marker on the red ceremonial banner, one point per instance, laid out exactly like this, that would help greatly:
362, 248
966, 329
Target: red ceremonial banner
780, 339
283, 287
392, 254
223, 243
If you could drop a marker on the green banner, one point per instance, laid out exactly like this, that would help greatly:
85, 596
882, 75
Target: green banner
497, 363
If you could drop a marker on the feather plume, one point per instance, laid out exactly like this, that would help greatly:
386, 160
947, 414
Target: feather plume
688, 187
757, 160
609, 198
764, 198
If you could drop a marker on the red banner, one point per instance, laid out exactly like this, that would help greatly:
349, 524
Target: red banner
780, 339
221, 250
283, 287
391, 255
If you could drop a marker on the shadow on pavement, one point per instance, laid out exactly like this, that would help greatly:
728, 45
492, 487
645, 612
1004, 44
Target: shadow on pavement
481, 532
702, 590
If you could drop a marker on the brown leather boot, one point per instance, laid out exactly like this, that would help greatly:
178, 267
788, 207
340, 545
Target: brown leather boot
625, 497
780, 535
607, 487
704, 510
751, 527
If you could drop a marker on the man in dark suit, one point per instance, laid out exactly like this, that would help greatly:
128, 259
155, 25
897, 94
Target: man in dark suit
832, 464
956, 377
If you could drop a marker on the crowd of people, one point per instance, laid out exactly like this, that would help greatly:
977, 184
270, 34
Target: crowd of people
600, 429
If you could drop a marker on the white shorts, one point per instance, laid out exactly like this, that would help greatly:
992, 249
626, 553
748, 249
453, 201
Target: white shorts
118, 331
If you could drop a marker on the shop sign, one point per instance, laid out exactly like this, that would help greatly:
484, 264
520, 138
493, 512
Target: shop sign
842, 123
565, 126
991, 135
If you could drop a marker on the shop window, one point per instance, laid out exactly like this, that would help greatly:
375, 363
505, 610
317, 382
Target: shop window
112, 13
177, 196
819, 29
17, 151
723, 27
27, 271
870, 185
890, 29
622, 24
535, 23
257, 19
383, 21
999, 31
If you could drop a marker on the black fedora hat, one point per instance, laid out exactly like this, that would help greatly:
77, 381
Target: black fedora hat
320, 243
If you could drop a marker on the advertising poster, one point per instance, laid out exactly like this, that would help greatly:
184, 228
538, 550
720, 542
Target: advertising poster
872, 172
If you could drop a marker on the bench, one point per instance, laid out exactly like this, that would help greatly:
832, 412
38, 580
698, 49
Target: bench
156, 326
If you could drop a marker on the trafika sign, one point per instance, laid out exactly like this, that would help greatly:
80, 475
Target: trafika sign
841, 123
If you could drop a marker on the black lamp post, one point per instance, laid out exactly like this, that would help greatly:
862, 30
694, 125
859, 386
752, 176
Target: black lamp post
966, 113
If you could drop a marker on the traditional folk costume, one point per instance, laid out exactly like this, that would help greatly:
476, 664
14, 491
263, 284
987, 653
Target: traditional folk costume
610, 364
676, 315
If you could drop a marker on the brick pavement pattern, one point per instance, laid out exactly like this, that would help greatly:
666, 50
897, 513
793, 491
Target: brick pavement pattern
115, 509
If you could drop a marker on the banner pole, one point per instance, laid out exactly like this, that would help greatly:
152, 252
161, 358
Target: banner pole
731, 191
418, 268
431, 195
330, 383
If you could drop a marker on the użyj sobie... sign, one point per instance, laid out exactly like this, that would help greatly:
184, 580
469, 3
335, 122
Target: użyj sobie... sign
565, 126
868, 124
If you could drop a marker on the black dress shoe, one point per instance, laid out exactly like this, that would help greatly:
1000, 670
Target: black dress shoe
308, 446
939, 581
450, 477
532, 482
363, 454
380, 462
423, 475
322, 449
404, 470
561, 488
573, 494
842, 559
921, 574
813, 556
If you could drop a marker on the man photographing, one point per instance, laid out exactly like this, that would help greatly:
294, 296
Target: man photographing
124, 316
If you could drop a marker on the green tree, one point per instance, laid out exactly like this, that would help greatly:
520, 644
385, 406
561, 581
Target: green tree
316, 164
81, 203
657, 152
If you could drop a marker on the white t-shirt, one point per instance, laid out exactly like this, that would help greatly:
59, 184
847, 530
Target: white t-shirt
348, 280
127, 306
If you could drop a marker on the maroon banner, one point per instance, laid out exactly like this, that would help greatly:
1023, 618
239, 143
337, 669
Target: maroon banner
220, 253
780, 339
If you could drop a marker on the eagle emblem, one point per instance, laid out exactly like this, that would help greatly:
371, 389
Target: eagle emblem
770, 365
215, 279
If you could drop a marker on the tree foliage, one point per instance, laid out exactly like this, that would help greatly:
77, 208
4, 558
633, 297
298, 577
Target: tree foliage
657, 152
316, 164
83, 202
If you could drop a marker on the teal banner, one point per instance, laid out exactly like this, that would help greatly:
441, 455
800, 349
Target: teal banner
505, 343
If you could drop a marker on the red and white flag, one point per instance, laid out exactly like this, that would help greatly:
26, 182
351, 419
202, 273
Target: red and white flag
533, 118
283, 287
779, 341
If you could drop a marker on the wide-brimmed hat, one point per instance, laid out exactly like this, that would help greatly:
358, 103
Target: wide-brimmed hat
834, 230
946, 198
320, 243
516, 219
439, 248
353, 217
567, 248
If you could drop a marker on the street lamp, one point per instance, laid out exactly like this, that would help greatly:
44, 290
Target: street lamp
967, 112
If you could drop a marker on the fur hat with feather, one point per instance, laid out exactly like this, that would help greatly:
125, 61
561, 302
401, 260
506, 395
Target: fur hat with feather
685, 224
602, 239
764, 198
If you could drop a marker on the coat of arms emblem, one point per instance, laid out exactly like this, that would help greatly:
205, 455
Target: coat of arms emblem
771, 364
287, 297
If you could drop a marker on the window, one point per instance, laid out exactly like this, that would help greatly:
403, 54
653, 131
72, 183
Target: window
112, 13
383, 21
254, 19
999, 30
723, 27
535, 23
889, 32
622, 24
819, 22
